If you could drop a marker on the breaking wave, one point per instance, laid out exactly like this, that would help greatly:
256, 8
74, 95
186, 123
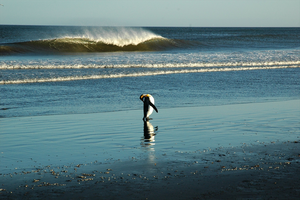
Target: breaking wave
104, 40
69, 45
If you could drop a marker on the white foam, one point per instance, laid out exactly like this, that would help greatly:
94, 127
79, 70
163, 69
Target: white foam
163, 65
163, 72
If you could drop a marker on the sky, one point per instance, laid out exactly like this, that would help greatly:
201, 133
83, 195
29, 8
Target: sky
143, 13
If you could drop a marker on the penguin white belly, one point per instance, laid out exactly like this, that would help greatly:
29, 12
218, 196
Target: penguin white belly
150, 109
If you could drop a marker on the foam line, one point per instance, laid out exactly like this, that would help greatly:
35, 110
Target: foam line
56, 79
165, 65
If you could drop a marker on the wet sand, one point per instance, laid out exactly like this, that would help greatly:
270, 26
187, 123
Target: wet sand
262, 170
257, 172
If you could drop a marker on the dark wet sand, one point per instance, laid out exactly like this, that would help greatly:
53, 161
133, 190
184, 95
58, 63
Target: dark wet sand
249, 172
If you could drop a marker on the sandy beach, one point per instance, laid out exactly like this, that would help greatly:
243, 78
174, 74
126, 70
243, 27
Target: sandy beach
240, 151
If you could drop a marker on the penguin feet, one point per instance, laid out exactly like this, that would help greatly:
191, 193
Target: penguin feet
147, 119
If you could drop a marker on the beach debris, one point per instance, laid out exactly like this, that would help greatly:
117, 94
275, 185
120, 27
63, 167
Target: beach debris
85, 179
50, 184
36, 180
84, 174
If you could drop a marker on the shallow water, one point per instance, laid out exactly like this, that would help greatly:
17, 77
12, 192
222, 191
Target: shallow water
169, 91
65, 140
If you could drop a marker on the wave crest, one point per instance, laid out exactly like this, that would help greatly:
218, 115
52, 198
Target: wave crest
120, 36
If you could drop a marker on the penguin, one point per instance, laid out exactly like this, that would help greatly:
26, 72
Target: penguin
148, 105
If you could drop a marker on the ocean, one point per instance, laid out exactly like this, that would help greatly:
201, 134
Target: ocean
50, 70
70, 95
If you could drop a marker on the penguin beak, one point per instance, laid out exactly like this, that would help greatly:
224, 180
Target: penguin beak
141, 97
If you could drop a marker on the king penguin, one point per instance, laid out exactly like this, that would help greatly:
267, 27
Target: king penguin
148, 105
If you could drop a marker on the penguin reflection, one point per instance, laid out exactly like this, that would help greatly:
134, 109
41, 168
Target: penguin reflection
149, 132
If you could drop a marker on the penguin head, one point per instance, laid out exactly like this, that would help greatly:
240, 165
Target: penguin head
142, 97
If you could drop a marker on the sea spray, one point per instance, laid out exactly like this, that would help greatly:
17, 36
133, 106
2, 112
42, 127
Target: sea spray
119, 36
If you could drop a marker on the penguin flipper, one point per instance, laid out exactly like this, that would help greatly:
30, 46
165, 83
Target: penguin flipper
153, 106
